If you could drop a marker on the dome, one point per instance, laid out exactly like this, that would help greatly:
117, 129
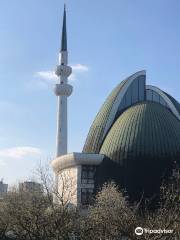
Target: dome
94, 138
138, 131
140, 149
129, 92
115, 103
144, 130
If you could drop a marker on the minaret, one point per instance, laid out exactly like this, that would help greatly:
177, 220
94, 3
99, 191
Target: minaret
62, 90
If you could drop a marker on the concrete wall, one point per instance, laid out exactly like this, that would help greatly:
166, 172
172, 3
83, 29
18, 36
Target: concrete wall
67, 185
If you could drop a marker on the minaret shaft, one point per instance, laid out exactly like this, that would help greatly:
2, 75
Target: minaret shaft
63, 58
62, 126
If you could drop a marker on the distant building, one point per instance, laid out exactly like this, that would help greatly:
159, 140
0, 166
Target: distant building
30, 186
3, 188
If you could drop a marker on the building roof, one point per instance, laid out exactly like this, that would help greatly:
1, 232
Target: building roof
174, 101
95, 135
146, 129
107, 113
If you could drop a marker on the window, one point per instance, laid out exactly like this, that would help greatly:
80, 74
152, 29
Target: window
87, 174
149, 95
141, 87
86, 196
135, 91
156, 97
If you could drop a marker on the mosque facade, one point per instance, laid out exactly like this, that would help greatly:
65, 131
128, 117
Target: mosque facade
134, 139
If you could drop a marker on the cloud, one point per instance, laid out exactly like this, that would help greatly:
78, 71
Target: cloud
79, 68
19, 152
48, 77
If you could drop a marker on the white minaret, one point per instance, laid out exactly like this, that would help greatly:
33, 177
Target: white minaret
67, 167
62, 90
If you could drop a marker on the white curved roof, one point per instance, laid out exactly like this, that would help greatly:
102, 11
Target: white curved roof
168, 101
73, 159
119, 98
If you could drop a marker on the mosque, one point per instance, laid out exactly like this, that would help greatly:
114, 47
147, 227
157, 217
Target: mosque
134, 139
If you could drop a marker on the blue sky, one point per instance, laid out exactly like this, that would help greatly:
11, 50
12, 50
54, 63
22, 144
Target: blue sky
107, 41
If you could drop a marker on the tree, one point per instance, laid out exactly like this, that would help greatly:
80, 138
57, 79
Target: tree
3, 224
110, 217
34, 215
167, 216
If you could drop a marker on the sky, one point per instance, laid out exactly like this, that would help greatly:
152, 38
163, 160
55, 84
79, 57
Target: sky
108, 40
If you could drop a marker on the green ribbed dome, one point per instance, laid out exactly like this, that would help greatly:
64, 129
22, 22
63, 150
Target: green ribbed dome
140, 149
125, 94
95, 135
144, 130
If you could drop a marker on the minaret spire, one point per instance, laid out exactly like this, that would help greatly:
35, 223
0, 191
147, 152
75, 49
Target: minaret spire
64, 32
62, 90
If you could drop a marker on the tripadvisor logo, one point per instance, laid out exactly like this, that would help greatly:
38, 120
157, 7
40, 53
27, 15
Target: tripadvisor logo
139, 231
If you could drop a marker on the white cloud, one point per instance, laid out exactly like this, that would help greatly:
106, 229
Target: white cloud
48, 77
79, 68
76, 70
19, 152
